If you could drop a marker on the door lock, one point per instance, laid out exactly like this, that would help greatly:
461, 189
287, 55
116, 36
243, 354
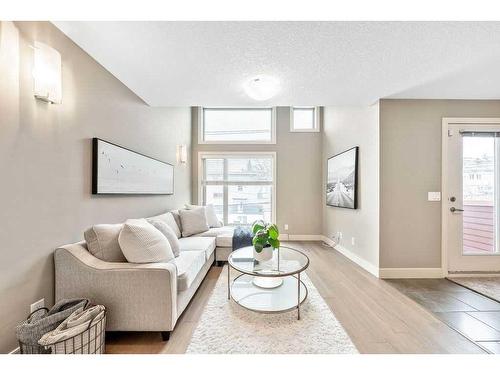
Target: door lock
453, 199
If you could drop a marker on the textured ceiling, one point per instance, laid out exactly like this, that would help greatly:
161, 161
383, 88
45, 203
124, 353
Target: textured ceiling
317, 63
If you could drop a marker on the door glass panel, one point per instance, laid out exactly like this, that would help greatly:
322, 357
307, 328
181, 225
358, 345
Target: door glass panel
479, 203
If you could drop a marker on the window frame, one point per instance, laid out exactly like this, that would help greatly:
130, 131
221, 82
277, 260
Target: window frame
316, 127
201, 127
237, 154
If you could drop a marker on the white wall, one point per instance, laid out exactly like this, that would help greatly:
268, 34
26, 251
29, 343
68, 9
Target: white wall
45, 162
298, 173
346, 127
410, 166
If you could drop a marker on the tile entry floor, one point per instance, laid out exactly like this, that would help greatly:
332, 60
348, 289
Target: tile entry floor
475, 316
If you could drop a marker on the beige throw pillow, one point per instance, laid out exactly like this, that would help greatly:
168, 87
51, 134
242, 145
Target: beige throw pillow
177, 218
169, 233
212, 219
169, 218
193, 221
102, 242
143, 243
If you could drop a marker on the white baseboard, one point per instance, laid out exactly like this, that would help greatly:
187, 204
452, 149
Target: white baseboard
411, 273
374, 270
457, 275
305, 237
15, 351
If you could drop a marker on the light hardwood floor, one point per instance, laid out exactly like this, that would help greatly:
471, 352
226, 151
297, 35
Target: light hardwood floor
377, 317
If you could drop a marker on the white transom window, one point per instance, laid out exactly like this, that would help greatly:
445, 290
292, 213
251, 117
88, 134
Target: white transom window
237, 125
304, 119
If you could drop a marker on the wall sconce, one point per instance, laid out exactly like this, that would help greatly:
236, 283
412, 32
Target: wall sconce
181, 154
47, 74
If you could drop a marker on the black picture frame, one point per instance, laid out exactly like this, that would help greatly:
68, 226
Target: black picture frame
97, 188
329, 164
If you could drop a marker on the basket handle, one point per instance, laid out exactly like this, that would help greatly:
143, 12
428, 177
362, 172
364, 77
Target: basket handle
40, 308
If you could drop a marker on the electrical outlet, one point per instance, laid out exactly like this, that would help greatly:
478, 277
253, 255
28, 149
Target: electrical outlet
37, 305
286, 226
337, 237
353, 241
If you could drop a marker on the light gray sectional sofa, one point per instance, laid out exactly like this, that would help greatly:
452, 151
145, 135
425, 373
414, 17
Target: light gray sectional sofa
141, 297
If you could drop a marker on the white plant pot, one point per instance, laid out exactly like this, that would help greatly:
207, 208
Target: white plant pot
265, 255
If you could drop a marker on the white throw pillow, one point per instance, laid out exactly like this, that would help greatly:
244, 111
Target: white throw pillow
193, 221
169, 233
212, 219
143, 243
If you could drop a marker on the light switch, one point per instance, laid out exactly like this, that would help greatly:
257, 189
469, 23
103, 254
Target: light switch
434, 196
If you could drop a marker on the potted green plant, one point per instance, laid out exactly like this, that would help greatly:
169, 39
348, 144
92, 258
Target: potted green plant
265, 239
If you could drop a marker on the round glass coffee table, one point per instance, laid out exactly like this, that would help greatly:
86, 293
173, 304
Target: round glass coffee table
272, 286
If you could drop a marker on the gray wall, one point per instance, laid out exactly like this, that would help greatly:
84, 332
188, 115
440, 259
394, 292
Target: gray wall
344, 128
410, 166
298, 179
45, 162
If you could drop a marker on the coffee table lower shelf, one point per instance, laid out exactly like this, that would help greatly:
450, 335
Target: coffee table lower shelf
286, 297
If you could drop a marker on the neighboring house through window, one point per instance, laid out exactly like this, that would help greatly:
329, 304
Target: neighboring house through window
237, 125
241, 186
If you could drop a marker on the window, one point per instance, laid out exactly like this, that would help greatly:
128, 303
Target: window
241, 186
237, 125
304, 119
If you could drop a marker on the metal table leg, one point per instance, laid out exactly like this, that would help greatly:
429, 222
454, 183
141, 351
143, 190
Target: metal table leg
228, 281
298, 296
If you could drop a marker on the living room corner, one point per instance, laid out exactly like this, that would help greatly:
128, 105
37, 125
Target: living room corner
249, 187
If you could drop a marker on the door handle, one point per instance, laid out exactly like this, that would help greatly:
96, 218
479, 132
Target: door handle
453, 209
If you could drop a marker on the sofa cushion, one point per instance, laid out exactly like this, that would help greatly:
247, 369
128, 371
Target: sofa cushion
102, 242
193, 221
189, 264
143, 243
212, 219
169, 219
168, 233
223, 236
206, 244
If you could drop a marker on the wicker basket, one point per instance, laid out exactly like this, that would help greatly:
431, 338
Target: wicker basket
90, 341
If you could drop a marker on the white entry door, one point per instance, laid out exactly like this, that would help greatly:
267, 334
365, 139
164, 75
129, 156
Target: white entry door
472, 197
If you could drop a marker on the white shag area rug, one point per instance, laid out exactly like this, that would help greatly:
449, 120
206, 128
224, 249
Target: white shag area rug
227, 328
488, 286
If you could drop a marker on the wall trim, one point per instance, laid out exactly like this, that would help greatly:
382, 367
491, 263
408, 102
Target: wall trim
411, 273
305, 237
457, 275
15, 351
374, 270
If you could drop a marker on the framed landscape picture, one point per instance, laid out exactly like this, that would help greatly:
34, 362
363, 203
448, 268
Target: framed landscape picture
341, 183
117, 170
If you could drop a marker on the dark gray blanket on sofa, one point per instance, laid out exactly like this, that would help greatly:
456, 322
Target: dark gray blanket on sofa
242, 237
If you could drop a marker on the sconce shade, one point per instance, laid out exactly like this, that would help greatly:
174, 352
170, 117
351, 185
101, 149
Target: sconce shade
47, 74
182, 154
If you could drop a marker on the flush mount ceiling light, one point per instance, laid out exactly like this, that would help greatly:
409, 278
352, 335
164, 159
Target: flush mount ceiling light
262, 87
